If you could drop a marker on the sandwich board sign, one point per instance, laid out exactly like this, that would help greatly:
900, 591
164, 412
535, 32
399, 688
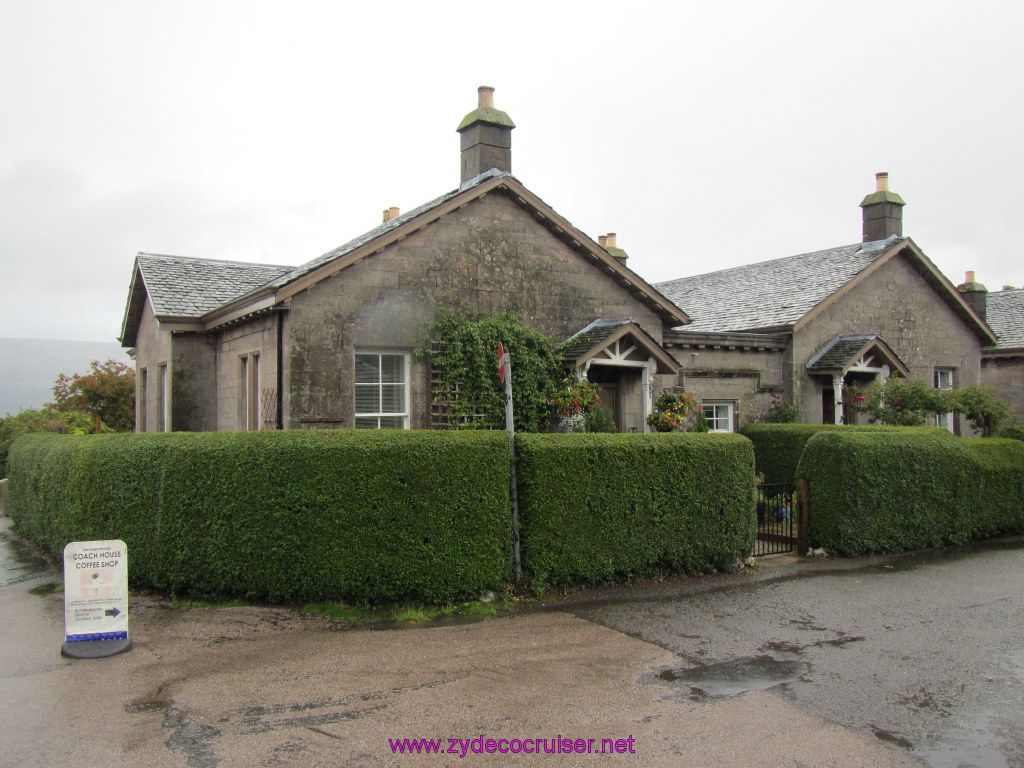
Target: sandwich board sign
95, 599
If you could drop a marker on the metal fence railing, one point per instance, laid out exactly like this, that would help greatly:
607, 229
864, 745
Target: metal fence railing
776, 519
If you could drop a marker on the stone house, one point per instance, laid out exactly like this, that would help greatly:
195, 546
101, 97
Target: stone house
1002, 363
227, 346
804, 327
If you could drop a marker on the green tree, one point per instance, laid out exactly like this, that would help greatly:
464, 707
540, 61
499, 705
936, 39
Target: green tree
905, 403
106, 392
40, 420
898, 402
982, 409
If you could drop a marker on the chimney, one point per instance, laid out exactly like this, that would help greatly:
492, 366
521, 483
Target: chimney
613, 249
975, 294
391, 213
883, 211
486, 137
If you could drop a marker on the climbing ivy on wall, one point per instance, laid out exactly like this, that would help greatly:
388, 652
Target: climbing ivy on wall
464, 354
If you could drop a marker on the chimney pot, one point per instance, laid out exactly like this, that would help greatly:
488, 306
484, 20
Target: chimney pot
613, 249
486, 138
975, 294
882, 211
391, 213
602, 240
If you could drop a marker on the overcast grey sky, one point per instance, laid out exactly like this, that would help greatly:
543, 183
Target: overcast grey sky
706, 135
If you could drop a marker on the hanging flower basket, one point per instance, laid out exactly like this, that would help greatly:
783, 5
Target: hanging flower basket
672, 410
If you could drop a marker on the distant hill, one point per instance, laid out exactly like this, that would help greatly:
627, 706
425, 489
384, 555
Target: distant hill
29, 367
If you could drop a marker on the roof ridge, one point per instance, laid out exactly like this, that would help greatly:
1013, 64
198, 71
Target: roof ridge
779, 260
370, 235
205, 260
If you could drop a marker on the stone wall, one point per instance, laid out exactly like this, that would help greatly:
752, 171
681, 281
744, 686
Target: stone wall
193, 379
1006, 374
896, 303
724, 373
255, 342
490, 256
153, 351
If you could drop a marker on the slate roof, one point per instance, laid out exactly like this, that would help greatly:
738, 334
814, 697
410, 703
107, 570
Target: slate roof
770, 294
180, 286
844, 351
296, 272
838, 352
587, 343
190, 288
589, 337
1005, 316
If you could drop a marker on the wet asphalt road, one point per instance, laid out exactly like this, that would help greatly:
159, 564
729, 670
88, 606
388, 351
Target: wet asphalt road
925, 652
910, 658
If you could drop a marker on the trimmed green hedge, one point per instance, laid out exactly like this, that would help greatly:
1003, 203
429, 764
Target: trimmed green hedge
891, 490
369, 516
598, 507
1012, 432
777, 447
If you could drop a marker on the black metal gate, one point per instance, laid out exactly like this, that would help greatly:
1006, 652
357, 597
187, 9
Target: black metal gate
776, 519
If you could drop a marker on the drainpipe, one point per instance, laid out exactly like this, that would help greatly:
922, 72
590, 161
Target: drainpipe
280, 371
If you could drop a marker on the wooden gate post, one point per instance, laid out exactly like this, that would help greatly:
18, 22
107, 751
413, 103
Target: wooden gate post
803, 504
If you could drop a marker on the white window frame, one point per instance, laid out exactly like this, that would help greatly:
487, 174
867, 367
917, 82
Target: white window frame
716, 404
404, 413
945, 420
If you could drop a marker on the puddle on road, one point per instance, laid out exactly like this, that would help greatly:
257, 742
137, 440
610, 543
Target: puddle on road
981, 740
788, 649
736, 676
194, 740
19, 561
890, 738
146, 705
45, 589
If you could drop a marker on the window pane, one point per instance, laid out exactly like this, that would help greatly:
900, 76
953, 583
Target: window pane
392, 398
392, 368
719, 417
367, 398
380, 388
367, 368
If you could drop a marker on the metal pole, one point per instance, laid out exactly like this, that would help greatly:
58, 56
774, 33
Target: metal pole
513, 486
804, 519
